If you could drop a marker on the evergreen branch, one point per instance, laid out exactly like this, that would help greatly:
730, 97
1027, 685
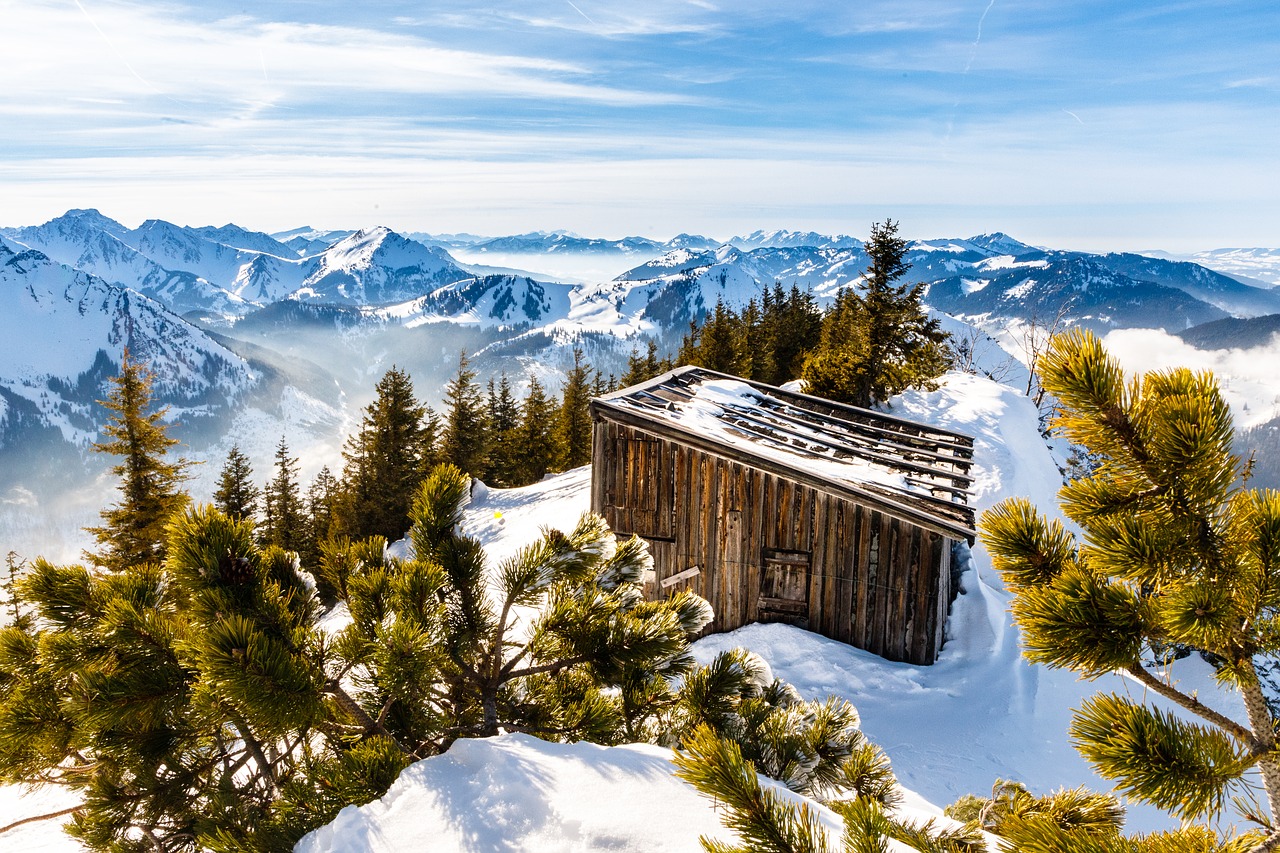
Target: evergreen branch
40, 817
1194, 705
552, 668
359, 714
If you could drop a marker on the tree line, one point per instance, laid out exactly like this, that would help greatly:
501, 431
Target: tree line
873, 342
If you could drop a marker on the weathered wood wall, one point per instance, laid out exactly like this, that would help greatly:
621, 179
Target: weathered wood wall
871, 580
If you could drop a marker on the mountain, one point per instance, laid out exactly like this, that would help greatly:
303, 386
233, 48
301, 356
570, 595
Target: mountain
377, 267
491, 300
1233, 333
62, 331
182, 268
783, 239
1079, 290
1204, 284
541, 242
1259, 267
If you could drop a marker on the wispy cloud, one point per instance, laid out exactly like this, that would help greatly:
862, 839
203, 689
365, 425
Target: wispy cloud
128, 51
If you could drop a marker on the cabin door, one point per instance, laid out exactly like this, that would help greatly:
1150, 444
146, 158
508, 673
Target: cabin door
784, 587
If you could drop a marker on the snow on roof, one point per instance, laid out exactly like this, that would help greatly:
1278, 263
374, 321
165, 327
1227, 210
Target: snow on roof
891, 460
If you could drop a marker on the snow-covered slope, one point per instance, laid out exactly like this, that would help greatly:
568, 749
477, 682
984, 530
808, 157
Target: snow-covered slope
1253, 265
491, 300
55, 322
88, 241
378, 267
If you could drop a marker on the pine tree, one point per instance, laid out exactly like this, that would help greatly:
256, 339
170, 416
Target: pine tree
574, 430
133, 530
465, 438
793, 329
1174, 552
282, 517
237, 496
879, 342
386, 460
503, 420
321, 506
641, 368
537, 436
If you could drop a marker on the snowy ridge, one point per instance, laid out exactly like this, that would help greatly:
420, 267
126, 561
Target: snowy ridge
80, 316
378, 267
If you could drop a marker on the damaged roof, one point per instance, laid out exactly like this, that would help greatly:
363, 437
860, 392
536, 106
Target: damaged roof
908, 469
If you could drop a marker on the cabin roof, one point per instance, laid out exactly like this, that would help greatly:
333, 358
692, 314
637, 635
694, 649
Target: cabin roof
905, 468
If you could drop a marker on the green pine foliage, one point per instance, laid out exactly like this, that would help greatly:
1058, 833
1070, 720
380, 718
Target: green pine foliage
1174, 552
386, 460
132, 531
283, 513
644, 367
536, 436
503, 417
877, 341
237, 496
766, 342
465, 440
573, 429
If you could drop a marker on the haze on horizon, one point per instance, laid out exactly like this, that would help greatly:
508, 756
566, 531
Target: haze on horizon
1082, 125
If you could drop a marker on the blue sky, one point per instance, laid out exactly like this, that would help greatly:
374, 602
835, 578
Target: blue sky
1078, 124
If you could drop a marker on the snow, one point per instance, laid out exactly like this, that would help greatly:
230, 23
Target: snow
518, 793
980, 713
704, 415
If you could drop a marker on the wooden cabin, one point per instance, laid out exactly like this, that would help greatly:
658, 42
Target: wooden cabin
778, 506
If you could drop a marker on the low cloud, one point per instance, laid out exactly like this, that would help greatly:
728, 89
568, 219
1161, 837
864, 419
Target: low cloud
1248, 377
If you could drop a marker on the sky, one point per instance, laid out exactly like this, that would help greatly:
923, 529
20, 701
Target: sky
1071, 123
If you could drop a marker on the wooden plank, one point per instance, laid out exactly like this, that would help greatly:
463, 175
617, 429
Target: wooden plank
756, 526
733, 570
687, 574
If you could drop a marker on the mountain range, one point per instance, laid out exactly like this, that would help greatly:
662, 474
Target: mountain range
226, 315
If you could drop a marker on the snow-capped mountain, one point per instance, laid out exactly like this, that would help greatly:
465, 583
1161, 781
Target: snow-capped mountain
307, 241
1252, 266
784, 239
1074, 289
1204, 284
58, 325
539, 242
378, 267
491, 300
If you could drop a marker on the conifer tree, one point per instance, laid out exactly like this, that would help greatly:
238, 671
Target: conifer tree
881, 341
1174, 552
237, 496
574, 429
793, 328
465, 437
641, 368
283, 516
386, 460
503, 416
536, 435
321, 506
133, 530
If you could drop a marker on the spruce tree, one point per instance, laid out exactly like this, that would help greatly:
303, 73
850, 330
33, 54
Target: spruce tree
133, 530
536, 436
574, 428
386, 460
505, 450
283, 516
465, 437
1174, 552
237, 496
881, 341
